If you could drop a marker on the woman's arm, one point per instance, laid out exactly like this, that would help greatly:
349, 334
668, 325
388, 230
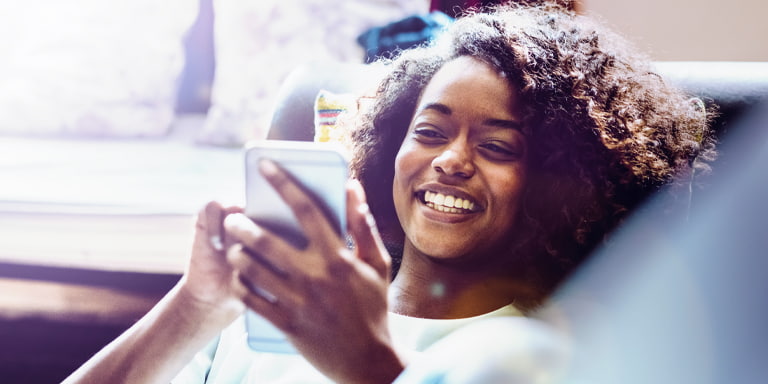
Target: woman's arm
155, 348
332, 301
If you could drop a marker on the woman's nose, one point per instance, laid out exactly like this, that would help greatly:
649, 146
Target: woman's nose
455, 161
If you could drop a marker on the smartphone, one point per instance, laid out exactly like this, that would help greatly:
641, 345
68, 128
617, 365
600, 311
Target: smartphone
320, 169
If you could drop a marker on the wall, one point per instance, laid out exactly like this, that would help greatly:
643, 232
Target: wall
690, 29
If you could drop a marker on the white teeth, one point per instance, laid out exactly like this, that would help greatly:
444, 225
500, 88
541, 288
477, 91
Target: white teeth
442, 208
447, 203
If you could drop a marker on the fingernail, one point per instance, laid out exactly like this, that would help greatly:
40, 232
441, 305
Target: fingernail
358, 189
365, 210
216, 243
267, 167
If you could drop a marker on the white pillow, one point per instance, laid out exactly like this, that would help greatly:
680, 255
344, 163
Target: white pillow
91, 67
258, 42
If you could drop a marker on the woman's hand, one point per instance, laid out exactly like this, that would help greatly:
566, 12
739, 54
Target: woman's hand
156, 347
207, 282
330, 300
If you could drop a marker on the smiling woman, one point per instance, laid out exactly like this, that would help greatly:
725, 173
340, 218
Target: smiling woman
535, 101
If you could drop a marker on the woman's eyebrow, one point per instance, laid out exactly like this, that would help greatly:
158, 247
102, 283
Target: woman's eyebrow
499, 123
437, 107
503, 123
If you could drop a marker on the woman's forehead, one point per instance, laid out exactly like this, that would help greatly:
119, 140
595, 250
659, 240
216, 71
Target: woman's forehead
469, 83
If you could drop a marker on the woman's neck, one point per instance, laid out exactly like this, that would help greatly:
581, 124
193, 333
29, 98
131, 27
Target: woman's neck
430, 288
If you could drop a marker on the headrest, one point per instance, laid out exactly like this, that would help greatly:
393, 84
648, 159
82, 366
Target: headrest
731, 86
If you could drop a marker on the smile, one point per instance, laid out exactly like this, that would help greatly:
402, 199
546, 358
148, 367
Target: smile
447, 203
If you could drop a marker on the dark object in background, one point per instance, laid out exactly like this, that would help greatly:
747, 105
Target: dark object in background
39, 347
454, 8
406, 33
414, 30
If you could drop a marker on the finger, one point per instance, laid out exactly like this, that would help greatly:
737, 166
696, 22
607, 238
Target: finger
210, 224
312, 218
273, 251
262, 280
275, 311
370, 247
229, 210
214, 224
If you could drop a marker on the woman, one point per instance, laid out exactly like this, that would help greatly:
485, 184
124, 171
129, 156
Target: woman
493, 161
604, 131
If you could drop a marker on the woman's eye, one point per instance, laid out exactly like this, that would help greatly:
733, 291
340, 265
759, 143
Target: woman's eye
428, 133
497, 150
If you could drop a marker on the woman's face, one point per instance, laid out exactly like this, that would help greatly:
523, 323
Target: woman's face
461, 169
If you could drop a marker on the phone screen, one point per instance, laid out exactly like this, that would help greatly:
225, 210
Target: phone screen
322, 171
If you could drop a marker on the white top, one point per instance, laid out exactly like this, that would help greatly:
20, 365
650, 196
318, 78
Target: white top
228, 359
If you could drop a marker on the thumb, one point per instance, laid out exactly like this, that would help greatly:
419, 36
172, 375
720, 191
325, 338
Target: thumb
362, 226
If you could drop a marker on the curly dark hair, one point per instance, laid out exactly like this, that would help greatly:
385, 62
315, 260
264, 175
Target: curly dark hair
605, 130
